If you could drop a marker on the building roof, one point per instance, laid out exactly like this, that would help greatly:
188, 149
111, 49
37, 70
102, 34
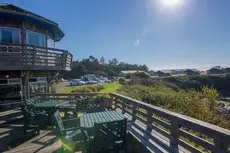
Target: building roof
130, 71
133, 71
12, 11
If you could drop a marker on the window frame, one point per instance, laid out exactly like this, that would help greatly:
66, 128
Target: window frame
38, 33
11, 28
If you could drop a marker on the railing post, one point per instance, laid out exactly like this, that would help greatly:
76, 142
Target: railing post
123, 106
174, 136
64, 60
220, 146
134, 111
149, 119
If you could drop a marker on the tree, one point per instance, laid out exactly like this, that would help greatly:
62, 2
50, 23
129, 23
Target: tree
190, 72
91, 58
114, 61
100, 67
102, 61
215, 71
162, 74
227, 70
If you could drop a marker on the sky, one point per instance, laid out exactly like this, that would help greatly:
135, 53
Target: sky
189, 34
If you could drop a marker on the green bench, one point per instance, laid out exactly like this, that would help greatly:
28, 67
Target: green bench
69, 132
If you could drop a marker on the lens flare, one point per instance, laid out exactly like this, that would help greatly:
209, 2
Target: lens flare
172, 3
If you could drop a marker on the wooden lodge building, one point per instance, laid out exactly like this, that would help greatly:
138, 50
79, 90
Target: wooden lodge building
28, 57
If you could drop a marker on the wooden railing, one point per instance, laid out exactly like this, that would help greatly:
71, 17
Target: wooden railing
63, 96
163, 130
29, 57
158, 129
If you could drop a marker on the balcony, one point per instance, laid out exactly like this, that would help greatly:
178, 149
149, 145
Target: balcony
29, 57
149, 128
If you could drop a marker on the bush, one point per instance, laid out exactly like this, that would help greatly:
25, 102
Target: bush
196, 104
88, 89
122, 81
53, 88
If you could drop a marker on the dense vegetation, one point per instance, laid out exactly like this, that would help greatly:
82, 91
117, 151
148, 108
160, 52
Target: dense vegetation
102, 88
92, 65
220, 82
176, 95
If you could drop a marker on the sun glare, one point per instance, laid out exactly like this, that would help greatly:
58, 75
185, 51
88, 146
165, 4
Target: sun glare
172, 3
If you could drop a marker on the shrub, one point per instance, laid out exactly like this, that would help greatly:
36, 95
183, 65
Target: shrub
196, 104
122, 81
53, 88
87, 89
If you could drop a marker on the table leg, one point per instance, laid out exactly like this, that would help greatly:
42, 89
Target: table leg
50, 114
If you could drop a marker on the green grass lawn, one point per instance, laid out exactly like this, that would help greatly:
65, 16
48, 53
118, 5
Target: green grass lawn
102, 88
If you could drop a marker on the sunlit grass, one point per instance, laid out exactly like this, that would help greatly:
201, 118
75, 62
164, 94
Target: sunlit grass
110, 87
106, 87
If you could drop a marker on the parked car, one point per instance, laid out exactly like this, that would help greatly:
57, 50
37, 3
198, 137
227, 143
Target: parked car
100, 81
113, 78
105, 80
76, 82
92, 82
62, 80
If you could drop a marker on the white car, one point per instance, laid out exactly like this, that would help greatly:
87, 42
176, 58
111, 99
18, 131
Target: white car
74, 82
62, 80
106, 80
92, 82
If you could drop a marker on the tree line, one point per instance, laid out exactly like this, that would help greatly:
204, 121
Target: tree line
100, 67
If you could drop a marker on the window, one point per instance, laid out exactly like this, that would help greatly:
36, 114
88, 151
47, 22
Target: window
14, 81
50, 43
9, 35
35, 38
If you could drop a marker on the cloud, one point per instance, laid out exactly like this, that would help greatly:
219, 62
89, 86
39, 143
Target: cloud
136, 43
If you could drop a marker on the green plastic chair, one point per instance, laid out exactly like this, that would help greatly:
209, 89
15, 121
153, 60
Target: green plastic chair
107, 137
33, 117
69, 133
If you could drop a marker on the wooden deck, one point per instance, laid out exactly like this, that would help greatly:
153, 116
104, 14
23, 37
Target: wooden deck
150, 127
46, 142
13, 139
10, 115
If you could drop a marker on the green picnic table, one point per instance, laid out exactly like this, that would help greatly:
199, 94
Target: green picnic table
87, 120
97, 137
50, 106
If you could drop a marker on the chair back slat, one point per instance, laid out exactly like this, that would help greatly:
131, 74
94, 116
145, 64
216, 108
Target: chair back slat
59, 120
28, 110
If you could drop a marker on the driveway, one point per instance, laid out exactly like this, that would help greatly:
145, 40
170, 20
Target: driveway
61, 85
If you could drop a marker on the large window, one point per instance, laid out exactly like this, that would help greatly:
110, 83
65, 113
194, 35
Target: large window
9, 35
35, 38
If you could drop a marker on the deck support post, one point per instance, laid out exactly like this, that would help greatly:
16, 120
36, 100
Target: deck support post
174, 136
25, 83
49, 80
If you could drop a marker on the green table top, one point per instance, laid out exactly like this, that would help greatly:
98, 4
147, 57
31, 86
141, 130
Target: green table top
88, 120
49, 104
